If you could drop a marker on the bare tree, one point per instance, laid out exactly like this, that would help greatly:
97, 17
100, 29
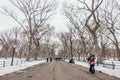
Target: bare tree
35, 13
74, 23
74, 17
104, 41
5, 40
8, 39
48, 40
92, 21
85, 20
111, 16
53, 46
16, 39
64, 39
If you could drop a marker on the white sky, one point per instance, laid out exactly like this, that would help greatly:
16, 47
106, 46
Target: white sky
58, 21
5, 21
8, 23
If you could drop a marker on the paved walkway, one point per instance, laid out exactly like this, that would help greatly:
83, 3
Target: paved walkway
57, 71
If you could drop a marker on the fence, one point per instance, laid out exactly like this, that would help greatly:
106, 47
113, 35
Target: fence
8, 63
111, 65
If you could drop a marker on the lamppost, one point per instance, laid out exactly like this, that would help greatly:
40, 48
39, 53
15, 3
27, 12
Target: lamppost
13, 55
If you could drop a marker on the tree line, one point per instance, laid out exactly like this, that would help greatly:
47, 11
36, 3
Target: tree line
35, 15
93, 27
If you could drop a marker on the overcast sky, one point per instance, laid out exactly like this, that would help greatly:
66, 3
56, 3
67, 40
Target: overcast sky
58, 21
7, 23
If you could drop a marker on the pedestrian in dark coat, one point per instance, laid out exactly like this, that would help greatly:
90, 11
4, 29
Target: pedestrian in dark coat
50, 59
91, 61
47, 59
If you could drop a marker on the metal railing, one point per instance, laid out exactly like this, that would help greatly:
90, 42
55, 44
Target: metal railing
111, 64
8, 63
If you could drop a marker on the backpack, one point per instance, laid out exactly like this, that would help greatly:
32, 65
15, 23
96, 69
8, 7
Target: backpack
92, 61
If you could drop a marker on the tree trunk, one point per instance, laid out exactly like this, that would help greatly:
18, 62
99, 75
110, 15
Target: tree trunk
29, 49
118, 53
36, 54
97, 50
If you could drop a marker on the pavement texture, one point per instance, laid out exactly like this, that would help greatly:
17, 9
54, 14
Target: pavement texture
57, 70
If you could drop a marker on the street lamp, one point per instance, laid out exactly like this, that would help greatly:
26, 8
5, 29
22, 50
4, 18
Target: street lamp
13, 55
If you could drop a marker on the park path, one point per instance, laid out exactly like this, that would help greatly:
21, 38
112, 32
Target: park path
56, 70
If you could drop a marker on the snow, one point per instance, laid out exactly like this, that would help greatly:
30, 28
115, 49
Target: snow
112, 72
10, 69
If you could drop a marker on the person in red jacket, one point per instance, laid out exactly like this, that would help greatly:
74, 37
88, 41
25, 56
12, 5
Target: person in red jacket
91, 60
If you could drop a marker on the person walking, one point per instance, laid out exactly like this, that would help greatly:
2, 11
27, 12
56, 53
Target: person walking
91, 60
50, 59
47, 59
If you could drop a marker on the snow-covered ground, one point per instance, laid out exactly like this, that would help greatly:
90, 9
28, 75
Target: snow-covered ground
10, 69
112, 72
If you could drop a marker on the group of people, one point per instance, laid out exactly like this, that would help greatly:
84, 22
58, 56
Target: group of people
49, 59
91, 60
